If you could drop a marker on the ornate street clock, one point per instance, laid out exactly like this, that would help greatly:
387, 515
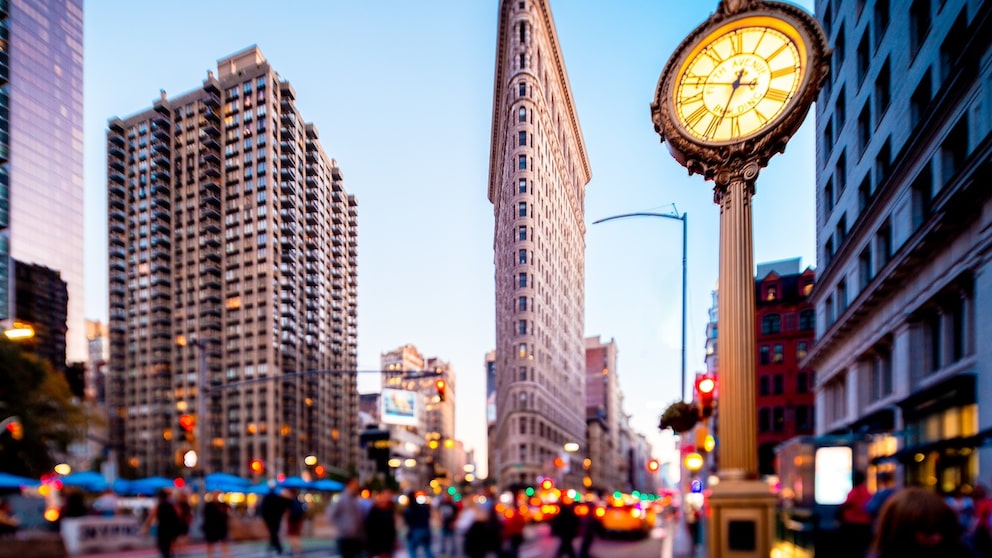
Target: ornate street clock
737, 88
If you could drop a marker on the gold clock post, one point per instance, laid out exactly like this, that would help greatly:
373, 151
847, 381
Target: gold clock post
730, 97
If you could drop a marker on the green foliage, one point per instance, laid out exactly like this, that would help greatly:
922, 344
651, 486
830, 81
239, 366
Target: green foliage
40, 397
680, 417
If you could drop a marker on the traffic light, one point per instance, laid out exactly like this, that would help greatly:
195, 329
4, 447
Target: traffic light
15, 429
257, 466
547, 484
705, 388
441, 386
187, 423
653, 465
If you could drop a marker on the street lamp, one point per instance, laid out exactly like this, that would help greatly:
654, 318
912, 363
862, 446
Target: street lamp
19, 331
684, 217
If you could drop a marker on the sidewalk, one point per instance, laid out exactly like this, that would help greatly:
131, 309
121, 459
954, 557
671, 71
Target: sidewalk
682, 546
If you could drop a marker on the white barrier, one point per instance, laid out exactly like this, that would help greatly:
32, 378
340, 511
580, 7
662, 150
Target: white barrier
101, 534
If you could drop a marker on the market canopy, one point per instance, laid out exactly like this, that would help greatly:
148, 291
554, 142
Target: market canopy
142, 487
226, 482
13, 481
91, 481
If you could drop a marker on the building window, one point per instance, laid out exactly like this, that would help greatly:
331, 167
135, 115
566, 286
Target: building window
954, 150
864, 193
522, 304
523, 378
802, 382
522, 209
883, 91
764, 355
523, 61
523, 256
523, 279
522, 232
770, 324
764, 419
803, 423
841, 296
920, 100
828, 140
922, 197
771, 292
763, 388
778, 385
522, 115
828, 197
880, 374
919, 25
883, 244
522, 89
882, 162
881, 19
778, 353
840, 173
522, 351
951, 48
778, 419
840, 45
864, 57
864, 128
828, 250
841, 230
522, 139
523, 32
840, 110
866, 271
522, 327
523, 186
522, 162
828, 309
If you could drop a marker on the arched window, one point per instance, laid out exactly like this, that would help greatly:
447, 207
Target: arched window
523, 31
772, 323
522, 114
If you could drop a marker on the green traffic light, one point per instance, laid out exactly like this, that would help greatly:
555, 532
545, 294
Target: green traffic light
530, 491
452, 490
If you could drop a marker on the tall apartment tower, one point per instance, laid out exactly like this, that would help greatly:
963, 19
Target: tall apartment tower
604, 413
903, 295
538, 171
41, 151
233, 278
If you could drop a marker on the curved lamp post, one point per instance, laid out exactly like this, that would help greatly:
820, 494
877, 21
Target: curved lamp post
685, 231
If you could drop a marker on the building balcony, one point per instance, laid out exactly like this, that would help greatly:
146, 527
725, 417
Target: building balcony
208, 172
161, 175
209, 142
116, 227
209, 128
116, 202
116, 176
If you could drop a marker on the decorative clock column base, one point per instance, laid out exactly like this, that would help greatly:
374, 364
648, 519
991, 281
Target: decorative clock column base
742, 523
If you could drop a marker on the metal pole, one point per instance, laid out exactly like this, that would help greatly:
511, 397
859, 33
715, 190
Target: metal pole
685, 236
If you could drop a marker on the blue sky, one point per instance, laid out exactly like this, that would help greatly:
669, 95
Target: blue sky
402, 95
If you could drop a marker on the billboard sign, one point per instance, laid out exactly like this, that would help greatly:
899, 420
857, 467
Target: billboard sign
399, 407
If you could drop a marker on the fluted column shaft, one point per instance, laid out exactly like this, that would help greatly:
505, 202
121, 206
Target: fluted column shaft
736, 405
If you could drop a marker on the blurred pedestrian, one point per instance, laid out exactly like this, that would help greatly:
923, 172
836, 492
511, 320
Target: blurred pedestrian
963, 505
513, 530
591, 527
380, 526
886, 488
448, 512
295, 517
480, 528
918, 523
165, 520
979, 533
855, 521
417, 516
185, 512
8, 521
346, 516
274, 506
74, 505
106, 503
216, 522
565, 526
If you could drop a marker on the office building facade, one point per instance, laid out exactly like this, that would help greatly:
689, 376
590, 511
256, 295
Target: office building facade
41, 151
903, 311
233, 281
604, 414
538, 170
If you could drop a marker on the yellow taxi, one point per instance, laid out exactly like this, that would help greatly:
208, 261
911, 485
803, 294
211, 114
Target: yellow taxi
626, 519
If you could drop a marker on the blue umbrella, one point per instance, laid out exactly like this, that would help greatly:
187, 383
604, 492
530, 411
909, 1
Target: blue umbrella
226, 482
295, 482
142, 487
328, 485
90, 481
14, 481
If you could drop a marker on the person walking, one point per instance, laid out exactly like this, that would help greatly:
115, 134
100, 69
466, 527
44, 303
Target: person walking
918, 523
565, 526
886, 488
855, 521
417, 517
165, 519
8, 521
448, 512
297, 513
274, 506
380, 526
979, 533
216, 521
513, 530
347, 518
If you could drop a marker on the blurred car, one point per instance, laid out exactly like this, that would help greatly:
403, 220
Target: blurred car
626, 520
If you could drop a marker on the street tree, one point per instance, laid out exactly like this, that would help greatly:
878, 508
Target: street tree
40, 398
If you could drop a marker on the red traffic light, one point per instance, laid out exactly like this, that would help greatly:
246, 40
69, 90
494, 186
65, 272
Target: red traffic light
15, 430
547, 484
187, 422
705, 385
705, 390
257, 466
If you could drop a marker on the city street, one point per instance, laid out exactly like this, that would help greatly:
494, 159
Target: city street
539, 544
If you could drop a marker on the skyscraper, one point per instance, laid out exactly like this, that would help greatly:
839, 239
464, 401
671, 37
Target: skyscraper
904, 323
41, 151
233, 265
538, 171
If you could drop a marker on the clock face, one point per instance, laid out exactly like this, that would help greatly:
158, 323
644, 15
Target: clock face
738, 80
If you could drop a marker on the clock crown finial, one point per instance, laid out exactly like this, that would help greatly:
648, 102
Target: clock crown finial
729, 7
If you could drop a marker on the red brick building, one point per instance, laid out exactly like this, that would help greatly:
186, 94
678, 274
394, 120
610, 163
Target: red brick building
785, 330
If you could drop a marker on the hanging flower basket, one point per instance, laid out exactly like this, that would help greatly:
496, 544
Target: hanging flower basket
680, 417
